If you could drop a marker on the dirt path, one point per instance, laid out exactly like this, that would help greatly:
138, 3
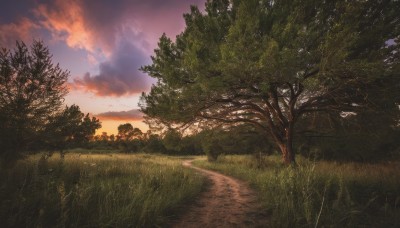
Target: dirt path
227, 202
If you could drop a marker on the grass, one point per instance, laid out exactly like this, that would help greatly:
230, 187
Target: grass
320, 194
90, 190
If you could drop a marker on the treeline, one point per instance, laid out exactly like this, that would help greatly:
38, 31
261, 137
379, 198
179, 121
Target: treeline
235, 140
340, 139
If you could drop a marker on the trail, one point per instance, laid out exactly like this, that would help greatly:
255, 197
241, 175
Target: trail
227, 202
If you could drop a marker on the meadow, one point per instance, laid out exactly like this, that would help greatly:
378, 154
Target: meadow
95, 190
319, 194
86, 189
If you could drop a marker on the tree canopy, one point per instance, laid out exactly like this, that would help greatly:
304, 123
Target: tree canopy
31, 92
128, 132
268, 63
70, 127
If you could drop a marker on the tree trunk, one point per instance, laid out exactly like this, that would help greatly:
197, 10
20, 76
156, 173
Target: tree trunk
287, 146
288, 155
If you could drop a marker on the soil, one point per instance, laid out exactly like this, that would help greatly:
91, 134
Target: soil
227, 202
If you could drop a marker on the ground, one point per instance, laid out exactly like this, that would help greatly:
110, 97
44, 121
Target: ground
227, 202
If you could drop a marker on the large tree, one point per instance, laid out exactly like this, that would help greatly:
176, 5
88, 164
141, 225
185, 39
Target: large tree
31, 92
268, 63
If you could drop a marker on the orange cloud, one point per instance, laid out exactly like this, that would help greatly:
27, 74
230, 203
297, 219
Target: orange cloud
131, 115
66, 22
21, 30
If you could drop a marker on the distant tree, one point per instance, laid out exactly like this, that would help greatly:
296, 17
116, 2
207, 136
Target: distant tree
87, 130
130, 139
112, 138
172, 141
125, 131
104, 136
62, 128
69, 128
242, 139
191, 145
212, 143
137, 133
371, 135
153, 143
128, 132
268, 63
31, 93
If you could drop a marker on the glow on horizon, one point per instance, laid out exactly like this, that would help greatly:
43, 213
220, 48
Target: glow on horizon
111, 126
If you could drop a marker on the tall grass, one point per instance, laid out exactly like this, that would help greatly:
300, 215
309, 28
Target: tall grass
320, 194
95, 191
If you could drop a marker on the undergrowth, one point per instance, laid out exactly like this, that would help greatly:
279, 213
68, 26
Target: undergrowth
95, 191
320, 194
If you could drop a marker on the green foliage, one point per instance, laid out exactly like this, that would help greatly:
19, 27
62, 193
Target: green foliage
31, 92
269, 63
172, 141
243, 139
88, 128
211, 145
365, 136
322, 194
154, 144
95, 191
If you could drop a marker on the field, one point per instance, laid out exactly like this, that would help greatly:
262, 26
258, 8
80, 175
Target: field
143, 190
320, 194
85, 190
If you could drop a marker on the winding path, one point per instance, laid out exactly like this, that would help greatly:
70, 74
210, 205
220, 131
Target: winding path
227, 202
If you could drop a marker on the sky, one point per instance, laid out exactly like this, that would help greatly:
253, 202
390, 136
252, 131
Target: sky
102, 43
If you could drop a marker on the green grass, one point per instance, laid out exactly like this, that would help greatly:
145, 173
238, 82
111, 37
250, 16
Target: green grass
95, 191
320, 194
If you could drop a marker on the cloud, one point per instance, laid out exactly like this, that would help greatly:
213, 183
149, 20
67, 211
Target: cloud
66, 21
20, 30
96, 25
131, 115
117, 35
119, 75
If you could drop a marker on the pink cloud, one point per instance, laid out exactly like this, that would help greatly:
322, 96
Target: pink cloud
119, 75
65, 19
97, 25
131, 115
117, 35
20, 30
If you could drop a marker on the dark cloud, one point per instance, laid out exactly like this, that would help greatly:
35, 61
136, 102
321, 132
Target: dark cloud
120, 75
12, 11
131, 115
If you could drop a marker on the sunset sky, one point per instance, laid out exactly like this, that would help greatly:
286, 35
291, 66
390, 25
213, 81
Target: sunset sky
102, 43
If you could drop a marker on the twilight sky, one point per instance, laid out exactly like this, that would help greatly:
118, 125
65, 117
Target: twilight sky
102, 43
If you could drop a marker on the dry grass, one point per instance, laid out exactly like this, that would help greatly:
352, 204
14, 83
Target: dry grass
321, 194
112, 190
